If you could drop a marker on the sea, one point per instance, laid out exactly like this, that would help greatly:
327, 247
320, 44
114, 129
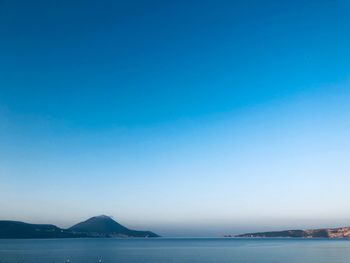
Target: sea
175, 250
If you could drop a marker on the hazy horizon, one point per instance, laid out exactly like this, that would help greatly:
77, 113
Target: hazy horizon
182, 117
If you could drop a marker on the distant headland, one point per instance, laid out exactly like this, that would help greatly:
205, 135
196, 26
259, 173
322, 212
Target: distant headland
341, 232
98, 226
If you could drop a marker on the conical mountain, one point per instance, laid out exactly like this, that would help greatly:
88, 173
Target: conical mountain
105, 226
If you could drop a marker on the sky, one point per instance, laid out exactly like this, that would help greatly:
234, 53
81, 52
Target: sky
187, 118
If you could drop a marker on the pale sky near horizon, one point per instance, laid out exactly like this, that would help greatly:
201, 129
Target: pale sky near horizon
187, 118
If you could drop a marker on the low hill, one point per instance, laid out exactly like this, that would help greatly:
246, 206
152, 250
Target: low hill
15, 229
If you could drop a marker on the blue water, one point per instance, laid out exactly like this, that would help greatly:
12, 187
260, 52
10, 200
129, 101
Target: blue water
175, 250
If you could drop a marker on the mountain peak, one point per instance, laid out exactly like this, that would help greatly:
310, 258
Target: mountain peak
103, 225
101, 217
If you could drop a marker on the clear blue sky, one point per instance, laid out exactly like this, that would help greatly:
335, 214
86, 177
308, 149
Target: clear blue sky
183, 117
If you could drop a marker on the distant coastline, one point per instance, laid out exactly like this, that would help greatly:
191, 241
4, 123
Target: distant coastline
340, 232
105, 227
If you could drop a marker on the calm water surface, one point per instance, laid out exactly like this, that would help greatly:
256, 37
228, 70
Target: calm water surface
175, 250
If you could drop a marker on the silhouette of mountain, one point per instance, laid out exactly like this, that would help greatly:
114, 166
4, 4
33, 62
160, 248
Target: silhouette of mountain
99, 226
106, 226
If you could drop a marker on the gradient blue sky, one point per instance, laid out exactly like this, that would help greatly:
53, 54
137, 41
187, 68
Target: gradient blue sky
183, 117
